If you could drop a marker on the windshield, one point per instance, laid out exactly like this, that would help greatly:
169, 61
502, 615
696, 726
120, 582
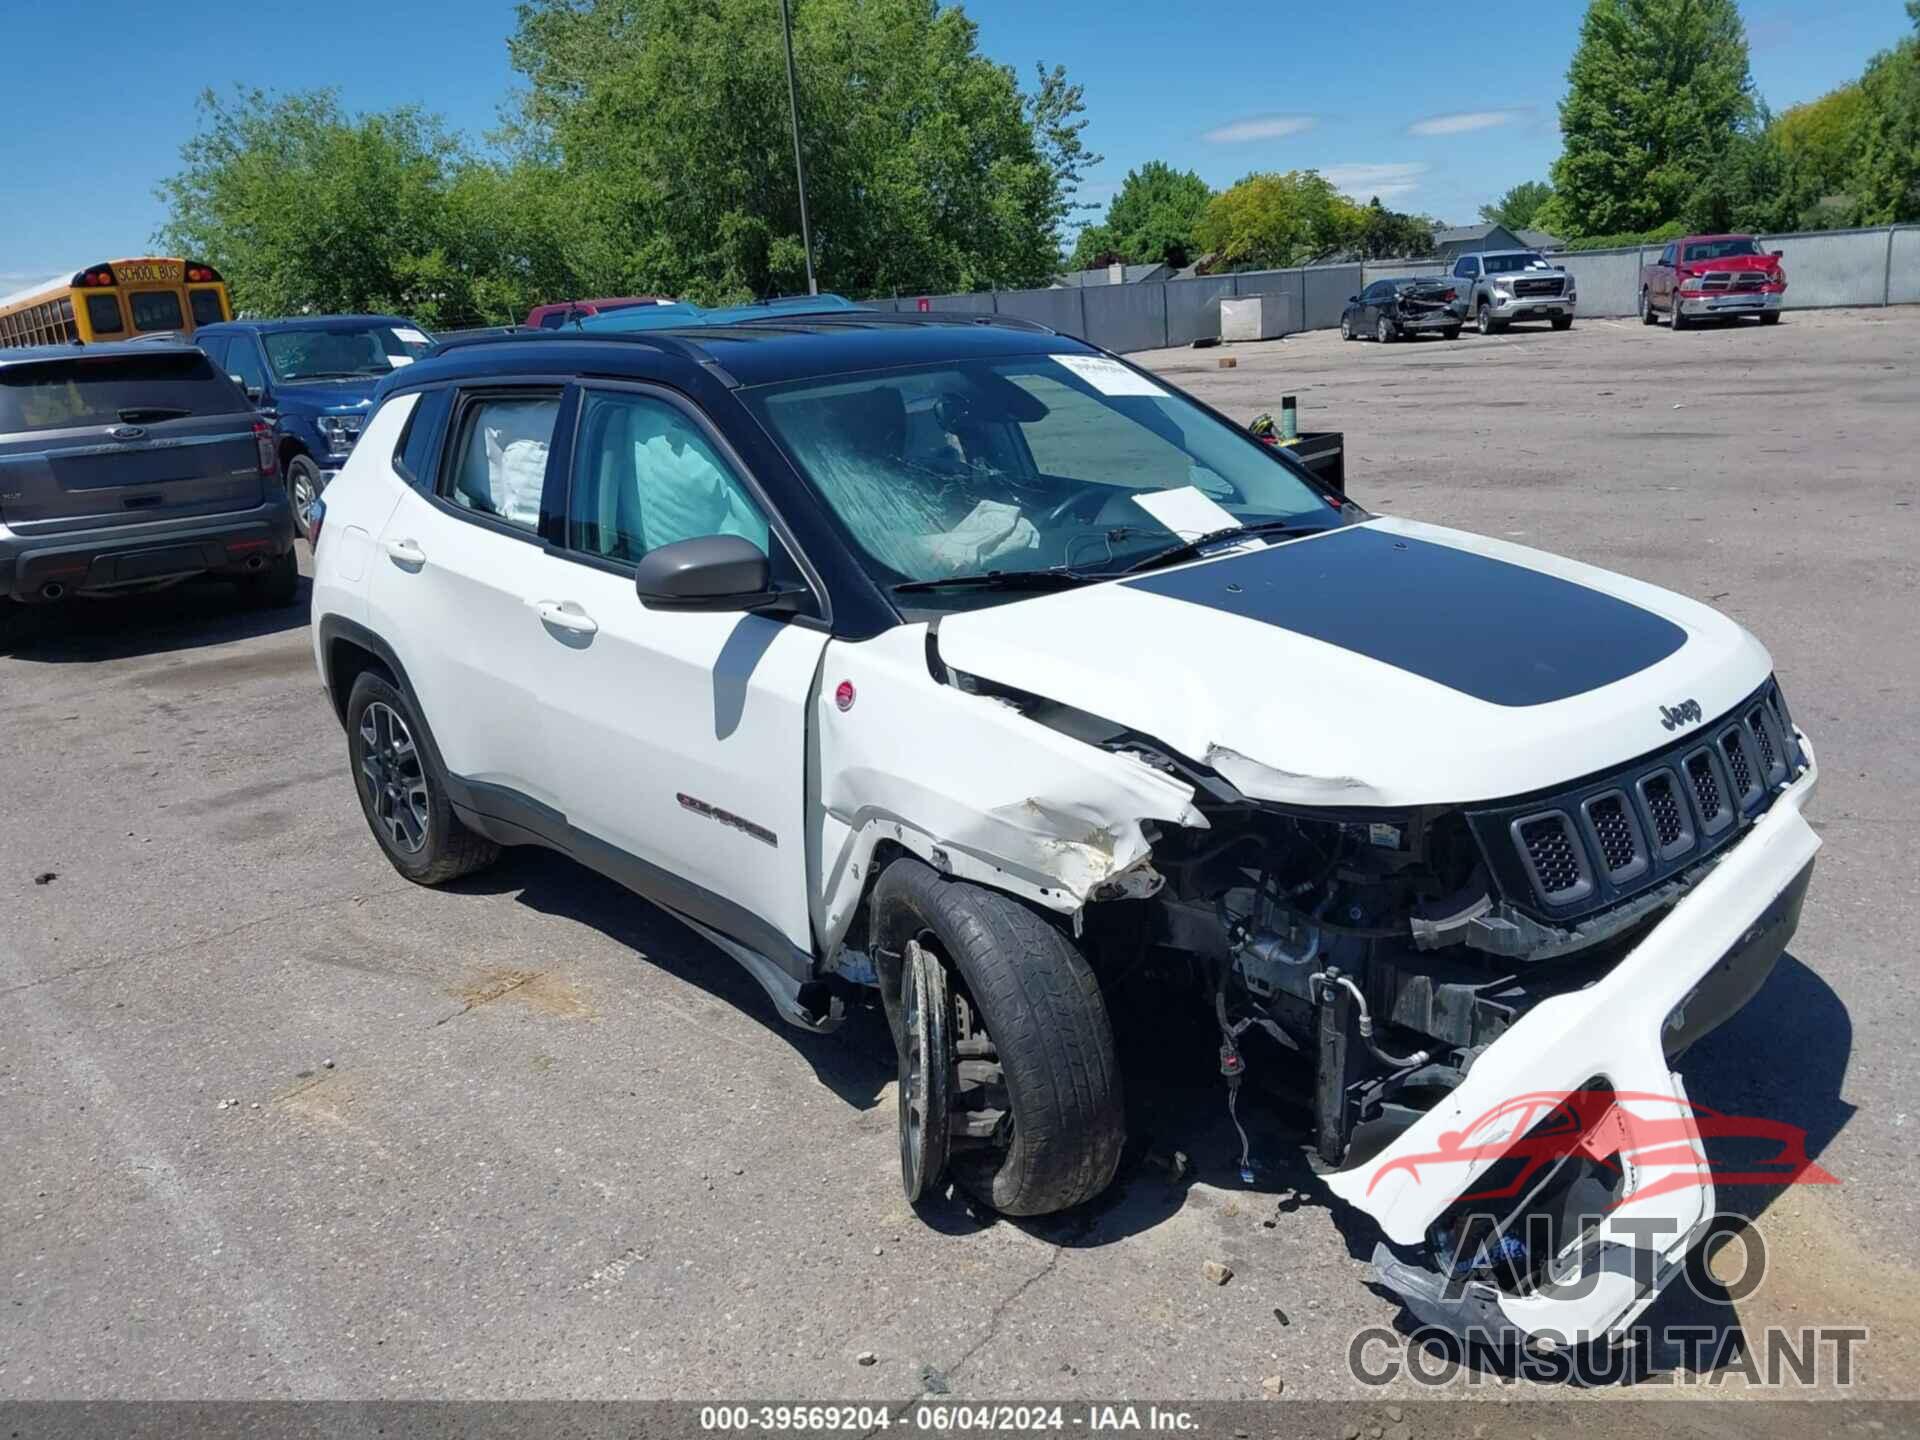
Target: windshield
337, 354
1508, 264
1720, 249
1024, 464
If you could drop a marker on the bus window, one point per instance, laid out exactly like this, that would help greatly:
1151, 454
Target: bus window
206, 307
156, 310
103, 314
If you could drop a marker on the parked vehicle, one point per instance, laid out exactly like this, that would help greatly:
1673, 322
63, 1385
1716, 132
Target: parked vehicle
565, 312
1497, 287
953, 659
1703, 275
314, 376
133, 466
115, 300
1390, 309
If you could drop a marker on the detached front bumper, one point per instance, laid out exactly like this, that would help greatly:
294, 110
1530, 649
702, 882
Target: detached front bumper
1696, 967
1733, 302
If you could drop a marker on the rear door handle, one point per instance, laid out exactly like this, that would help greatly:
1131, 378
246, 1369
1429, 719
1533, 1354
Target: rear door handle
406, 552
564, 615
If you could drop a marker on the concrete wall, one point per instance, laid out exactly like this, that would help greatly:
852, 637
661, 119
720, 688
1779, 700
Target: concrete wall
1832, 267
1607, 282
1903, 281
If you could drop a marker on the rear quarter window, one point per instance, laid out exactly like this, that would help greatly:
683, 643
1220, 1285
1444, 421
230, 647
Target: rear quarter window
113, 390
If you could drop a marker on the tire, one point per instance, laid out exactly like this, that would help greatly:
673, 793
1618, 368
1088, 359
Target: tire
276, 587
1676, 321
446, 849
1383, 331
1483, 317
1346, 327
1770, 317
1647, 317
18, 624
1452, 332
1040, 1005
303, 488
1562, 322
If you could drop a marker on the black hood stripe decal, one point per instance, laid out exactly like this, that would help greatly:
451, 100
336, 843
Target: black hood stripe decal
1493, 630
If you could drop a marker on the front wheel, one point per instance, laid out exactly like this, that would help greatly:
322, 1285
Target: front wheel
1676, 316
1383, 332
1036, 1119
1483, 318
1770, 317
1452, 332
1563, 322
402, 790
303, 488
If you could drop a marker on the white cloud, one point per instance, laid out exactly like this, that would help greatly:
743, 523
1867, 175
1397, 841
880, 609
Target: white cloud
1464, 121
1365, 181
1258, 127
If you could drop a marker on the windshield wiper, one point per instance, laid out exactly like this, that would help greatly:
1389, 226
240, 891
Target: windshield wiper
1187, 549
1001, 580
327, 375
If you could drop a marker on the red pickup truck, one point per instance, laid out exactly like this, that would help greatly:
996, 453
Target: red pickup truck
1712, 275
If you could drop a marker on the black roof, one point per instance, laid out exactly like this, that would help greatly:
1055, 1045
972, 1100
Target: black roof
31, 354
758, 352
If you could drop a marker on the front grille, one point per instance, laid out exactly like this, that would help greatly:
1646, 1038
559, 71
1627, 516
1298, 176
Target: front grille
1537, 287
1607, 837
1619, 837
1553, 855
1733, 745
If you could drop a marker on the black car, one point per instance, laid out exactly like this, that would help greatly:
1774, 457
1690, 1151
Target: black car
127, 467
1390, 309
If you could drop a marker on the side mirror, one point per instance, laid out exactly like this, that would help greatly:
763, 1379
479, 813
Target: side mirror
1778, 254
1353, 299
711, 573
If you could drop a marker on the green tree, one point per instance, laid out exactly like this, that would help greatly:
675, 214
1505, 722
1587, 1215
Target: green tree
1656, 93
1275, 219
1748, 189
1151, 219
666, 120
1057, 112
1885, 175
1382, 234
1517, 208
304, 207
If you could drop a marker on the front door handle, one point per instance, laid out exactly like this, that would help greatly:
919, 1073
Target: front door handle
564, 615
406, 553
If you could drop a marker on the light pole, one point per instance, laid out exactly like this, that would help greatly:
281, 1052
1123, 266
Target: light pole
799, 166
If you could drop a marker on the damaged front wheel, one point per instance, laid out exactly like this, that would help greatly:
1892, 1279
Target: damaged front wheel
1035, 1117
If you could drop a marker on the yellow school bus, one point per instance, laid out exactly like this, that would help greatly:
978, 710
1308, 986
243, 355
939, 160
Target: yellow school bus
116, 300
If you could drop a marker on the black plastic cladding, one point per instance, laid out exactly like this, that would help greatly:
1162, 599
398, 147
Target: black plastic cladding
1640, 824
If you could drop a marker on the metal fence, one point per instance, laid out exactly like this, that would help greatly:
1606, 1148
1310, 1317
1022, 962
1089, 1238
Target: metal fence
1879, 266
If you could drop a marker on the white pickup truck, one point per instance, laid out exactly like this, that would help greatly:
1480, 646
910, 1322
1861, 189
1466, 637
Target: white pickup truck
1497, 287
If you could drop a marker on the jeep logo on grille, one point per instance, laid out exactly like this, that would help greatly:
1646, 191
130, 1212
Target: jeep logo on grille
1687, 712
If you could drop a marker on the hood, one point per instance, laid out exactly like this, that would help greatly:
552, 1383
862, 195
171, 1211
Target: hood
1383, 664
1732, 263
331, 397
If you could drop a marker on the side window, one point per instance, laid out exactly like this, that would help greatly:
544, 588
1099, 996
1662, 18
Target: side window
500, 459
243, 360
413, 457
1666, 256
1463, 268
216, 348
645, 476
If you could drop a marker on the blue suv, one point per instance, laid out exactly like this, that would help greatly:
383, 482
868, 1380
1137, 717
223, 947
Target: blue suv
315, 375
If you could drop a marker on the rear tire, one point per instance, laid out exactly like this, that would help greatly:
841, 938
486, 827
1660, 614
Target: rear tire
1046, 1029
18, 624
1647, 317
275, 587
403, 791
1346, 327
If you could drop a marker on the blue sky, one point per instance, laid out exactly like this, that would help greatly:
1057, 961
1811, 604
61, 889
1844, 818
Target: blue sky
1380, 97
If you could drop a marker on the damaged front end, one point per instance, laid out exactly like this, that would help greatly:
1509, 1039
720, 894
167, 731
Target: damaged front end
1486, 1000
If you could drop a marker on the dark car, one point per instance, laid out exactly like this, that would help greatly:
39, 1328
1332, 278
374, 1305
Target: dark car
1390, 309
313, 376
133, 466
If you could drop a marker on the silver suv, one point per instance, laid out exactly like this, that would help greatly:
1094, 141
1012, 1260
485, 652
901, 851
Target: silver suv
1497, 287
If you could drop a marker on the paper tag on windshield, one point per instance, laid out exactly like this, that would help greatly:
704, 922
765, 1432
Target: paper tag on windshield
1109, 377
396, 361
1187, 512
408, 336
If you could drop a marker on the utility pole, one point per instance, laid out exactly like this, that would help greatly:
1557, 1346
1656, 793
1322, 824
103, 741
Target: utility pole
799, 166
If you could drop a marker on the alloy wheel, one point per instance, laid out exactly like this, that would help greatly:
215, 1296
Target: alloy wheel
396, 783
